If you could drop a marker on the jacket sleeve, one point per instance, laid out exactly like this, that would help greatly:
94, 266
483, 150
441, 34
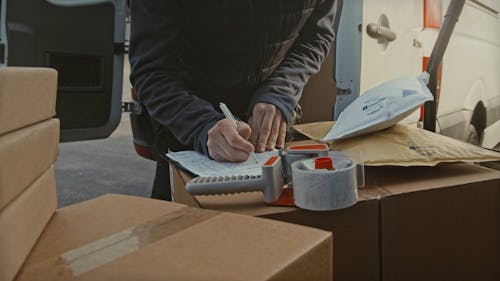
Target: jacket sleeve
284, 87
155, 52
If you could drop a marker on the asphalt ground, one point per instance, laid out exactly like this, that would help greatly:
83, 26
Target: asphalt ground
87, 169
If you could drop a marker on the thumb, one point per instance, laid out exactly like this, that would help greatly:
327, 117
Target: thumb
244, 130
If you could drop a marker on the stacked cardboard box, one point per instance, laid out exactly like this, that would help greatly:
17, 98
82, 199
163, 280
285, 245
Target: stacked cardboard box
28, 149
410, 222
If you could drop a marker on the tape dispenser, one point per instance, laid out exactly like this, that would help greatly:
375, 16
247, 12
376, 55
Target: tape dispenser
298, 175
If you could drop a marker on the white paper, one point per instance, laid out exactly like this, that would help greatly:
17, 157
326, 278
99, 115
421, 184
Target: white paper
203, 166
381, 107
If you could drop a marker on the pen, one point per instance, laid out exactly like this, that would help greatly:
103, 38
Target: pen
229, 115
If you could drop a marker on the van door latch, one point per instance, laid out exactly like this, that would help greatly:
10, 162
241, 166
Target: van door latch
380, 32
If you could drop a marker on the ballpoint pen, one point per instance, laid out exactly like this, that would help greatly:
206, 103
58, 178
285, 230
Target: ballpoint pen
229, 115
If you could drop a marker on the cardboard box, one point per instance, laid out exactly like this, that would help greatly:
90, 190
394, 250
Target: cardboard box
27, 96
117, 237
22, 222
369, 240
447, 231
26, 154
318, 95
356, 229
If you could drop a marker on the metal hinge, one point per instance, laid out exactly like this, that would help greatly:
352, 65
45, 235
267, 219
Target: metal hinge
120, 48
133, 107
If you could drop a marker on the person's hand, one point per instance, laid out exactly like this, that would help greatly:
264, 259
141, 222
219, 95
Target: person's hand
268, 127
226, 143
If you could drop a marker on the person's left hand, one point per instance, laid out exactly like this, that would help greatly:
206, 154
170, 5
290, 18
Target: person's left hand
268, 127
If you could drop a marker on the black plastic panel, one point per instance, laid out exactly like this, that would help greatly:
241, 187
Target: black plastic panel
78, 41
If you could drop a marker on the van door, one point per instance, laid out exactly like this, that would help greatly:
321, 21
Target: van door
84, 40
377, 41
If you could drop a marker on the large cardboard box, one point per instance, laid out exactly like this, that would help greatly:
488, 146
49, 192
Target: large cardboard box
26, 154
22, 222
404, 215
27, 96
117, 237
356, 229
445, 229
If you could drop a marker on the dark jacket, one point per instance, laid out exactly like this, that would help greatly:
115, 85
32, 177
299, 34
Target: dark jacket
187, 55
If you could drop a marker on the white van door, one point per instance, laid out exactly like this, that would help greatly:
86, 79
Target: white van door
381, 58
388, 45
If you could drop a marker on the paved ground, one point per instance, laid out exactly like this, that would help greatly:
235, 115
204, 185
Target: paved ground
88, 169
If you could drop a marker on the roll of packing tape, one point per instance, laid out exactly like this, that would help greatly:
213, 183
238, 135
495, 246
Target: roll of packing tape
290, 158
324, 190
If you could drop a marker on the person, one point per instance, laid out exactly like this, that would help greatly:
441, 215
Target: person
256, 56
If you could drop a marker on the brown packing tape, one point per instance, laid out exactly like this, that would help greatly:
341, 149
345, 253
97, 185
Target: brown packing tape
228, 247
403, 145
78, 261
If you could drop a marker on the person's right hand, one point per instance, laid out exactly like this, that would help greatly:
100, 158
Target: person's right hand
226, 143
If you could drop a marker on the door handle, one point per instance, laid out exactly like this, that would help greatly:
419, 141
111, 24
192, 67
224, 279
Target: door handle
378, 31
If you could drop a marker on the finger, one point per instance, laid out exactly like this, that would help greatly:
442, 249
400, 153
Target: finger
280, 143
222, 151
236, 143
231, 153
275, 129
216, 156
244, 130
265, 130
254, 123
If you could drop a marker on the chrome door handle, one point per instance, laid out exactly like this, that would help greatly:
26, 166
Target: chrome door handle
378, 31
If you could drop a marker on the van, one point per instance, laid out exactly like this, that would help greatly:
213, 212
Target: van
377, 40
468, 103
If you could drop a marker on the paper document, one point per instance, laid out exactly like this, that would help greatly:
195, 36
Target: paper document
203, 166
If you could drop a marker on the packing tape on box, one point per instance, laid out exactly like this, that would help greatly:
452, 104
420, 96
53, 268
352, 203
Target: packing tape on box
80, 260
322, 189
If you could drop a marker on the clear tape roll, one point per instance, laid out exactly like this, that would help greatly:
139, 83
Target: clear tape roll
324, 190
